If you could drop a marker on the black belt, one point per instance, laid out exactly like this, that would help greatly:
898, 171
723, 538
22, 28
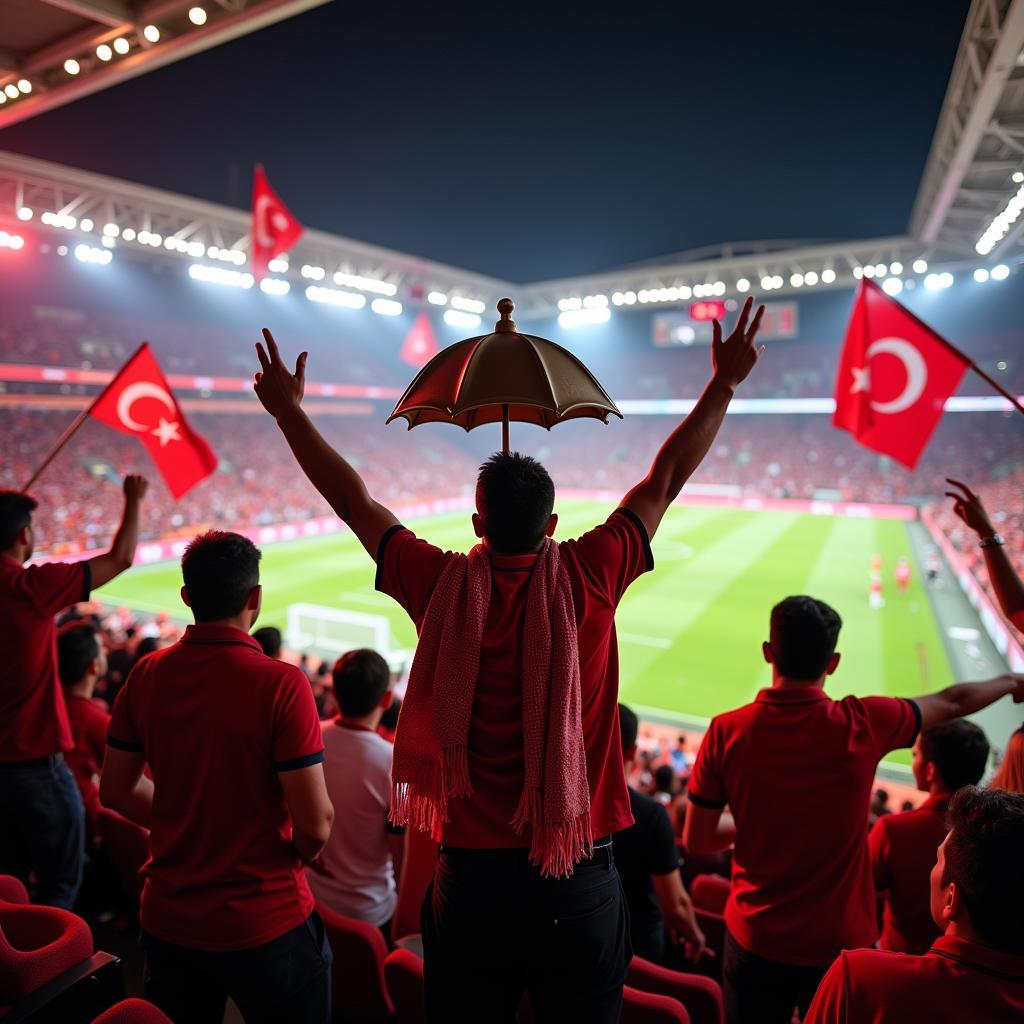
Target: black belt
49, 761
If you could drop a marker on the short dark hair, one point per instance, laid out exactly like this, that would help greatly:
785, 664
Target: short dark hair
665, 777
959, 751
77, 649
15, 514
514, 497
361, 678
629, 726
803, 637
983, 855
269, 638
219, 570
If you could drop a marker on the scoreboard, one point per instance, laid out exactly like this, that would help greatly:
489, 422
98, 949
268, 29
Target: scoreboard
674, 328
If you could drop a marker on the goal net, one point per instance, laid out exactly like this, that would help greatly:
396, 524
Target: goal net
330, 632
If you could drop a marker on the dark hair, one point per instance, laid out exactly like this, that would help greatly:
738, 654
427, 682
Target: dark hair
665, 777
361, 678
219, 570
15, 513
269, 638
803, 637
514, 497
629, 726
147, 645
77, 649
389, 719
983, 854
959, 750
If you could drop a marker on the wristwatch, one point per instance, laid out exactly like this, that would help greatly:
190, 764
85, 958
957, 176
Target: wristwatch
995, 541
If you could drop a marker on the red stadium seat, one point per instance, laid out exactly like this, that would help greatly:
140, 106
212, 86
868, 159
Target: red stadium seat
646, 1008
701, 996
36, 945
127, 845
417, 871
710, 892
360, 995
13, 889
132, 1011
404, 973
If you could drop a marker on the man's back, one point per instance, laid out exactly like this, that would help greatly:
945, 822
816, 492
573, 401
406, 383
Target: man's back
796, 769
216, 720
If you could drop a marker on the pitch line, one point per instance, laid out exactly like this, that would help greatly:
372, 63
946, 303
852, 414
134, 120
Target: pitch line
645, 641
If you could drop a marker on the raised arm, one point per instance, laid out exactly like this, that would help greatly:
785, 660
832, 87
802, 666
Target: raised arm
1006, 583
281, 392
122, 552
962, 699
731, 360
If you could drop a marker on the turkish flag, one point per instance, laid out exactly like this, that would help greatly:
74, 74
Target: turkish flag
139, 402
274, 229
895, 375
420, 345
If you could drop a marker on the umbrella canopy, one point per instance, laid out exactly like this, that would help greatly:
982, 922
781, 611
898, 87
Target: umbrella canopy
501, 377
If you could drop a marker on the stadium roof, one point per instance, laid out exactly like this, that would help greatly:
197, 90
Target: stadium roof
56, 51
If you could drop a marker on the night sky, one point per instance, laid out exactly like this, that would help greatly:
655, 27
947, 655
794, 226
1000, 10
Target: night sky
538, 141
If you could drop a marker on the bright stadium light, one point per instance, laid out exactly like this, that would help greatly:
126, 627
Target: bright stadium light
334, 297
197, 15
1000, 272
312, 273
466, 305
25, 85
8, 241
86, 224
699, 291
71, 66
881, 270
437, 299
583, 317
122, 45
12, 90
718, 288
868, 271
981, 275
920, 266
595, 301
896, 268
109, 241
766, 283
573, 302
460, 318
278, 265
218, 275
25, 213
104, 52
196, 250
1001, 223
931, 282
89, 254
828, 275
386, 307
111, 229
811, 278
743, 285
617, 298
946, 279
892, 286
275, 286
128, 234
366, 284
796, 280
1017, 177
151, 33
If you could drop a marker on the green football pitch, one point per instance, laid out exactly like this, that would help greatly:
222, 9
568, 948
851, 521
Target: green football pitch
690, 632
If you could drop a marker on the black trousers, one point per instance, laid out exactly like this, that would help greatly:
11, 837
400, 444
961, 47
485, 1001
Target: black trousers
493, 929
762, 991
285, 980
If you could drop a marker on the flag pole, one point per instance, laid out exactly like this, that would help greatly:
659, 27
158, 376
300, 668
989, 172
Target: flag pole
1006, 394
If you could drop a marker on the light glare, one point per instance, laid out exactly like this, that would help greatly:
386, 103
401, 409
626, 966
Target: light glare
460, 318
104, 52
386, 307
197, 15
151, 33
71, 66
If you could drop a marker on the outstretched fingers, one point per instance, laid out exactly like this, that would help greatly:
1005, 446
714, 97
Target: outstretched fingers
300, 368
756, 325
957, 483
262, 355
741, 323
716, 329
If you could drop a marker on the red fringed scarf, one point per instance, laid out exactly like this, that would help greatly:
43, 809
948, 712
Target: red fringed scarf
430, 760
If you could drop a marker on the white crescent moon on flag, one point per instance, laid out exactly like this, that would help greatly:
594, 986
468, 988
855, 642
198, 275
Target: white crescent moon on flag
913, 363
131, 394
264, 208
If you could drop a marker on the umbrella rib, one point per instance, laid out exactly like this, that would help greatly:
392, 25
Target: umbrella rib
544, 369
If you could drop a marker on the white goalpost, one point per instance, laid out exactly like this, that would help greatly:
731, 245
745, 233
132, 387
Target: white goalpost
330, 632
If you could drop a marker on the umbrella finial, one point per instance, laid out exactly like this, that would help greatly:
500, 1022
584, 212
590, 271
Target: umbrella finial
506, 324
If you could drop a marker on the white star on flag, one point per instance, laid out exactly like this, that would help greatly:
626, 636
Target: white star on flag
166, 432
861, 379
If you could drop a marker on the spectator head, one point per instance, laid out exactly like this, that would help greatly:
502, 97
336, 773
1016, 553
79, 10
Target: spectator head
802, 644
680, 742
1010, 775
514, 499
81, 657
665, 778
16, 535
269, 638
629, 726
222, 578
147, 645
389, 720
949, 756
977, 886
362, 683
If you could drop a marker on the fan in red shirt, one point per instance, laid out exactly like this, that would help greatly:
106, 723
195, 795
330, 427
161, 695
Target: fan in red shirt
40, 806
975, 970
236, 806
796, 769
494, 924
902, 846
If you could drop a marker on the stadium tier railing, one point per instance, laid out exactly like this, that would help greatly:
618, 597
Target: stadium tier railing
1006, 643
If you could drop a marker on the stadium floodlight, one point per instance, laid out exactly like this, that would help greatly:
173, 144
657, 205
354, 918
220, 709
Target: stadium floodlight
437, 299
90, 254
275, 286
334, 297
1017, 177
71, 66
896, 268
26, 213
629, 298
151, 34
743, 285
595, 301
858, 272
155, 240
8, 241
197, 15
196, 249
25, 85
86, 224
777, 281
718, 288
312, 273
869, 271
460, 318
111, 229
128, 234
1000, 272
583, 317
946, 279
121, 45
617, 298
892, 286
796, 280
920, 265
371, 284
3, 97
981, 275
466, 305
278, 265
386, 307
811, 278
828, 275
881, 270
218, 275
766, 283
104, 52
143, 237
698, 291
109, 241
931, 282
12, 90
1001, 223
573, 302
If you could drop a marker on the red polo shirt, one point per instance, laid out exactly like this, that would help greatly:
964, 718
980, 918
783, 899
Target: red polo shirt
33, 719
89, 721
217, 720
796, 768
601, 565
955, 982
903, 849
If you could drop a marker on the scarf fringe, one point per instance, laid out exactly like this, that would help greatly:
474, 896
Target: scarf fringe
555, 847
456, 771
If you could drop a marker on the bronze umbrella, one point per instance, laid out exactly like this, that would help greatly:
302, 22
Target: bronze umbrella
501, 377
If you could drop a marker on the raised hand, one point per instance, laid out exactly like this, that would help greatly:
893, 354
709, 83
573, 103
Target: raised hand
278, 389
734, 358
135, 487
967, 505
